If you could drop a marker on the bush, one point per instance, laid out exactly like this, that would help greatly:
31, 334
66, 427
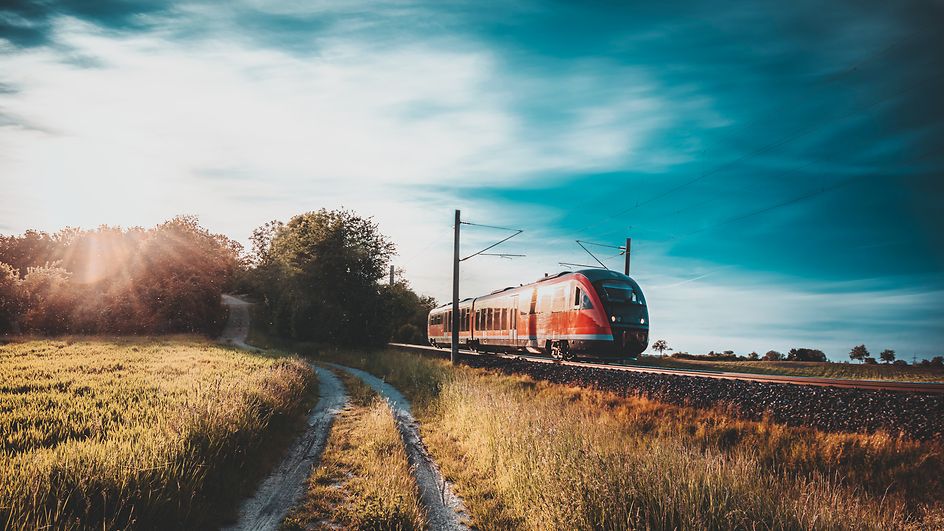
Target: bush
772, 355
870, 361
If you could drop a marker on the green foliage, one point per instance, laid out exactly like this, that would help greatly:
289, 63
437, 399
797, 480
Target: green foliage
772, 355
806, 354
11, 297
887, 355
318, 277
112, 280
859, 352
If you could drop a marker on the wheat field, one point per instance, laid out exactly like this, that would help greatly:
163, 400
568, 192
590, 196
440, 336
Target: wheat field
142, 433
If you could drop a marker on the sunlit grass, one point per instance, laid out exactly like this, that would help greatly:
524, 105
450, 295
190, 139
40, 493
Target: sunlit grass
363, 480
133, 432
527, 454
853, 371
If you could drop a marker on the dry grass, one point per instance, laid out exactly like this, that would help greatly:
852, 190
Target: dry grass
363, 480
850, 371
533, 455
115, 433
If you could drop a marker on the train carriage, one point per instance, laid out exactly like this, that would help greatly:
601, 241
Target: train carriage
594, 313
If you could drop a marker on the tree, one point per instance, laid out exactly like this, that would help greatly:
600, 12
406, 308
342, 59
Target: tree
11, 297
859, 353
887, 355
772, 355
661, 346
753, 356
806, 354
937, 361
318, 277
869, 360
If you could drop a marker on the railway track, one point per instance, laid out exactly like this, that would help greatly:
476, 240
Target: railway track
874, 385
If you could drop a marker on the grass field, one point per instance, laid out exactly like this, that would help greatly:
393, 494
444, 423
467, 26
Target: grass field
363, 480
852, 371
531, 455
115, 433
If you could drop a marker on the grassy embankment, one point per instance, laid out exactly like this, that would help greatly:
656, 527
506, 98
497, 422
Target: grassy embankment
363, 480
152, 433
851, 371
527, 454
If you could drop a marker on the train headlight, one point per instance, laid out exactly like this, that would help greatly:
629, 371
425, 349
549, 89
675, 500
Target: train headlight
642, 321
613, 318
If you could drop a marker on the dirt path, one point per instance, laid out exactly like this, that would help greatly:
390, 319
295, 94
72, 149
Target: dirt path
237, 326
279, 492
444, 509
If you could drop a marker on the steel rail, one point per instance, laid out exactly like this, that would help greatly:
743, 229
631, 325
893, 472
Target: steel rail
872, 385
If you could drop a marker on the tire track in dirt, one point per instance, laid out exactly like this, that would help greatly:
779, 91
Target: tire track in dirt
279, 492
444, 509
282, 489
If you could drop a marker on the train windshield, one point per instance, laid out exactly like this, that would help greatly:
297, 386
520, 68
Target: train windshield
621, 293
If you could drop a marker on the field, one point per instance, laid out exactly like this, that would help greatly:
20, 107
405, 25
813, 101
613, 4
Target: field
854, 371
112, 433
531, 455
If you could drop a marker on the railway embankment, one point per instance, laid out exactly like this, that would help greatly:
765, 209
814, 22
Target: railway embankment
914, 415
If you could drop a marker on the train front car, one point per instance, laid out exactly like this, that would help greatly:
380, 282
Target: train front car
625, 310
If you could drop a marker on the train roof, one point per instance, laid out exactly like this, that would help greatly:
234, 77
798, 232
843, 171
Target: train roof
593, 275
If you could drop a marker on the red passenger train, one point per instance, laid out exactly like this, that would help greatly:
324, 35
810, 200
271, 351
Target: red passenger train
593, 313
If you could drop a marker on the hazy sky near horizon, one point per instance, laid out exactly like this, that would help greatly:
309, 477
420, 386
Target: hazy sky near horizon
778, 166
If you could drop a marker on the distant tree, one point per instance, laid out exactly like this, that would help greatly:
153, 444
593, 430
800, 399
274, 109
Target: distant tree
887, 355
11, 297
772, 355
869, 360
859, 353
900, 363
660, 346
937, 361
729, 352
806, 354
753, 356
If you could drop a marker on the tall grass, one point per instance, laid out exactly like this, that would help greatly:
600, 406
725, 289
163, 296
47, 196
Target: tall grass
527, 454
363, 480
136, 433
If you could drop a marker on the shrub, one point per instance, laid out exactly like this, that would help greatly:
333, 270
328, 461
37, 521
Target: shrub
772, 355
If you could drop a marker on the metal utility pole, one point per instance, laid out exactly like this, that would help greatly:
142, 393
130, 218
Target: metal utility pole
626, 267
454, 355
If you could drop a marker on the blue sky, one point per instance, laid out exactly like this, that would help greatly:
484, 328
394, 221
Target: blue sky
779, 167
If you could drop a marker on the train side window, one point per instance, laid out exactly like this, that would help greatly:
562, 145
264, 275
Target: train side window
504, 318
585, 303
577, 293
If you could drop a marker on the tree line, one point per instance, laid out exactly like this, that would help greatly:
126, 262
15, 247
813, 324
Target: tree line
858, 353
164, 279
319, 277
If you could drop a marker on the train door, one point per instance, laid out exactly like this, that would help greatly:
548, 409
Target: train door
513, 321
532, 342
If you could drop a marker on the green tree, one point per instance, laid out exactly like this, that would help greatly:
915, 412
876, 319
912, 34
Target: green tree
660, 346
753, 356
11, 297
887, 355
772, 355
319, 277
806, 354
859, 353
